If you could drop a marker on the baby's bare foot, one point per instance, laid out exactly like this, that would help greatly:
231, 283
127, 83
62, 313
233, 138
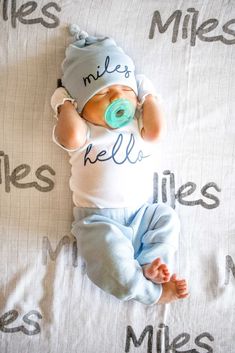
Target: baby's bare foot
173, 290
157, 272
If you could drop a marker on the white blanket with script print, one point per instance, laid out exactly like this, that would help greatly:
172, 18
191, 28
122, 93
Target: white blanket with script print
187, 48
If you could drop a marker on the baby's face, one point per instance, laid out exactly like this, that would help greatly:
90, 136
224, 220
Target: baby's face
94, 109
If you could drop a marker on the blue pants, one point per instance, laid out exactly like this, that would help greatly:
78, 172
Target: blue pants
115, 243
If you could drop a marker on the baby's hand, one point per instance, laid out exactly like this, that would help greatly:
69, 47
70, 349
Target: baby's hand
59, 97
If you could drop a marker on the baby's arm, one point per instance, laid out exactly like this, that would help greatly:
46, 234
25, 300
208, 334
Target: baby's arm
70, 130
152, 114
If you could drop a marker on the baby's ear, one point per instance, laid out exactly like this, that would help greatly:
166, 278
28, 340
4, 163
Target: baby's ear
59, 83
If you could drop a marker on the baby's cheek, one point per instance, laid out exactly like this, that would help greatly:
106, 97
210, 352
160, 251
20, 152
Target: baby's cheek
134, 101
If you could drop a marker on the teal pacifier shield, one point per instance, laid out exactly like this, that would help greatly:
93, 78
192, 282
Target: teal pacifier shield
119, 113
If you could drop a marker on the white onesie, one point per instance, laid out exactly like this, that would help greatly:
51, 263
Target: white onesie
114, 169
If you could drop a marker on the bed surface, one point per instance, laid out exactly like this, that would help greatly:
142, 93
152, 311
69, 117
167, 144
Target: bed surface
47, 302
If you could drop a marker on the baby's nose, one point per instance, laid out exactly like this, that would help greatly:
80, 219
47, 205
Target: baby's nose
116, 95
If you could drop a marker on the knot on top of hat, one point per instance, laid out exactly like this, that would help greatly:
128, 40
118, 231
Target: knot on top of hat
75, 31
82, 38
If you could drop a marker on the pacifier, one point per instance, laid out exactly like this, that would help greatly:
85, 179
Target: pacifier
119, 113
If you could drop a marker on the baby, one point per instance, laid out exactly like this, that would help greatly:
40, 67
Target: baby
127, 242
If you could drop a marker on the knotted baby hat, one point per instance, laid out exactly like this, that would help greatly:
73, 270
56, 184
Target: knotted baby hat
92, 63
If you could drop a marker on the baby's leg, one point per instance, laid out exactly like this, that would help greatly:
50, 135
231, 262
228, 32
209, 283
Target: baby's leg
157, 230
155, 246
107, 249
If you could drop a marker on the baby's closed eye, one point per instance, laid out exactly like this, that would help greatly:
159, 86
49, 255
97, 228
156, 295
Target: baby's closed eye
102, 93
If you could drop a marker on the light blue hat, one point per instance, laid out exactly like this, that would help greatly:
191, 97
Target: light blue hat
92, 64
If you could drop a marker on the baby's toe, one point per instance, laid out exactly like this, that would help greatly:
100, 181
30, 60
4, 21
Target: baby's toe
156, 263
